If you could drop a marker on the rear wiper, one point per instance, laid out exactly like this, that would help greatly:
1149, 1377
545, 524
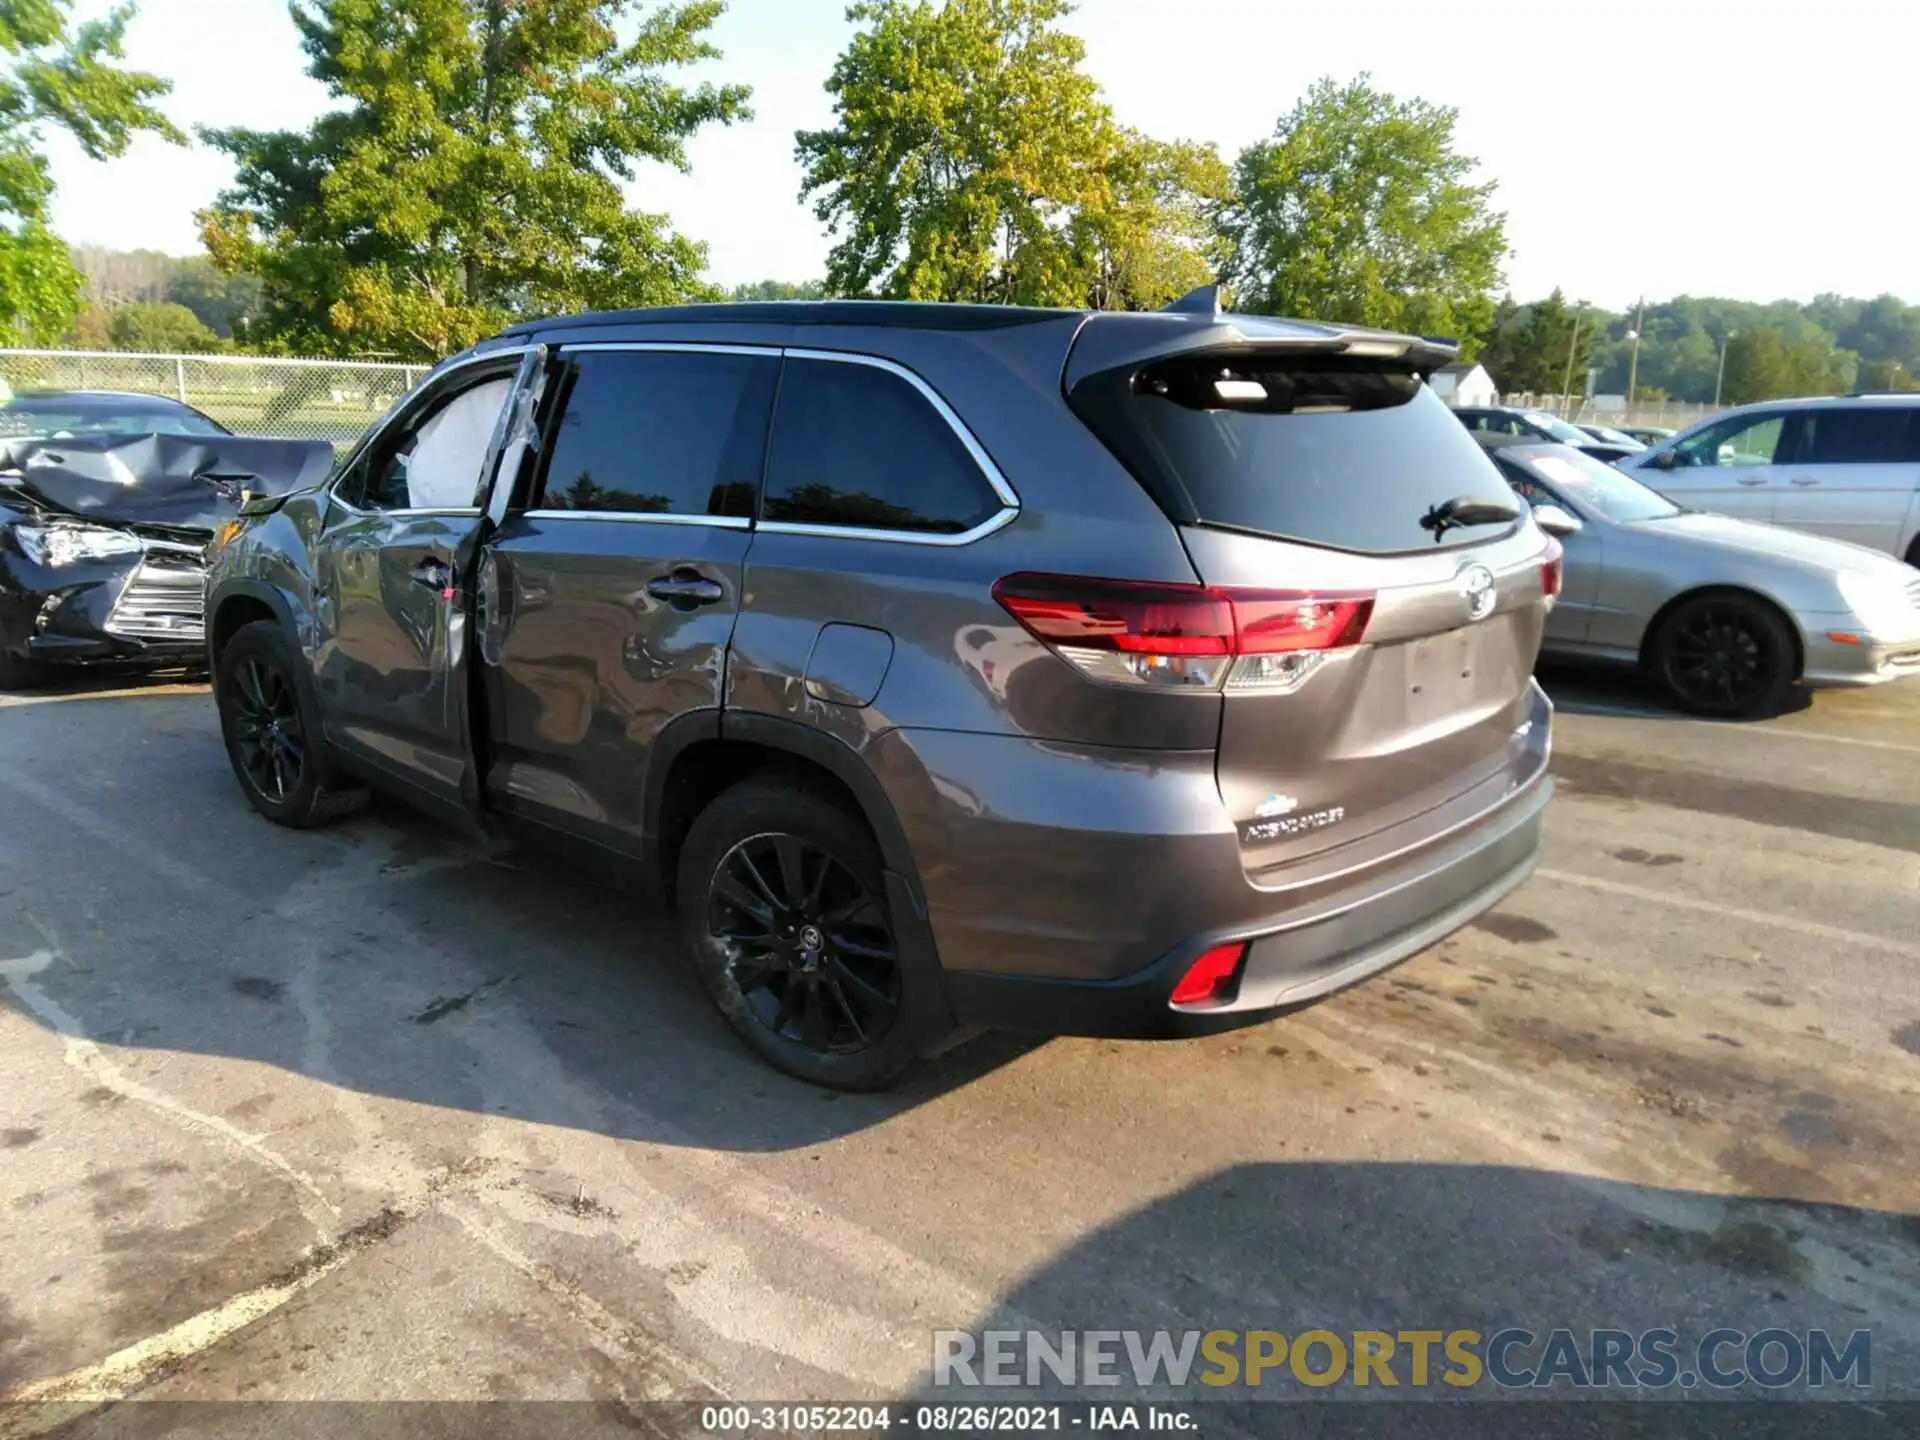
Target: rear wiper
1464, 510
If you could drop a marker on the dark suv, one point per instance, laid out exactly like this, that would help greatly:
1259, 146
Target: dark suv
947, 666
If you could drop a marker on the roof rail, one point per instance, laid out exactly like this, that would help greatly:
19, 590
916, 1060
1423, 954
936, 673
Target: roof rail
1204, 301
1883, 395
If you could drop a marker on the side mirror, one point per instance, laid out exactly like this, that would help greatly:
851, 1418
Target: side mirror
1726, 455
1557, 522
1664, 460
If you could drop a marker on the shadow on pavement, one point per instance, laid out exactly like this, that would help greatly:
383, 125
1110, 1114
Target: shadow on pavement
492, 981
1343, 1248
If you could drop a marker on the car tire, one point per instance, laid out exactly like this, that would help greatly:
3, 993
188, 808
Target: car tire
783, 907
1725, 654
272, 731
1913, 553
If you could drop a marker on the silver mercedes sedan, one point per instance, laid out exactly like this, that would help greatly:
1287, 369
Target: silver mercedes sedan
1728, 615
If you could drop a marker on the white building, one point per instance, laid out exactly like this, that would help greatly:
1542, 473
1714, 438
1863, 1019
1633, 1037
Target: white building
1461, 384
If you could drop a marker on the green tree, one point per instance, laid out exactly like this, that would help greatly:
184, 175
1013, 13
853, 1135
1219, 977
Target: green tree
223, 303
1758, 367
66, 78
1155, 239
1542, 348
159, 329
1360, 210
471, 173
972, 159
779, 290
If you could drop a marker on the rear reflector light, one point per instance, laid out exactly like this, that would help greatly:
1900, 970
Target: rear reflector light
1136, 632
1212, 976
1553, 573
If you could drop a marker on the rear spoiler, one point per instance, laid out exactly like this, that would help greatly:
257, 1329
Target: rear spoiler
1196, 325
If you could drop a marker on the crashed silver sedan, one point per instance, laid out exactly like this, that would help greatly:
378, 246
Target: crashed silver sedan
1727, 615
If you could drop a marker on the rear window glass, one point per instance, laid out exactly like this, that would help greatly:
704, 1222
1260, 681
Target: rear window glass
1328, 451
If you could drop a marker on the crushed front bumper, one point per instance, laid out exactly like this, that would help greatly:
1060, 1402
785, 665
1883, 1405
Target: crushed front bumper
142, 608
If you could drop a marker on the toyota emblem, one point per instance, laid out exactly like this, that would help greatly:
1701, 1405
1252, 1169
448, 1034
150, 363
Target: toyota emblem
1477, 585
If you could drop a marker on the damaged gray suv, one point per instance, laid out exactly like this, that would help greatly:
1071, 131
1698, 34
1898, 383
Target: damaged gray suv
946, 667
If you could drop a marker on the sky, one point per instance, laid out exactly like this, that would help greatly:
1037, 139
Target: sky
1754, 150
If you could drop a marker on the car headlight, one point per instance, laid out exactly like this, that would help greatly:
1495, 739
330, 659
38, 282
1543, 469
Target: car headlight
57, 545
1880, 601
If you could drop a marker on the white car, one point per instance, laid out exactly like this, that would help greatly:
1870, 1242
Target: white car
1845, 466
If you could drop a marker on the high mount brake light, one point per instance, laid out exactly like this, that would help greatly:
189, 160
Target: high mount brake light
1137, 632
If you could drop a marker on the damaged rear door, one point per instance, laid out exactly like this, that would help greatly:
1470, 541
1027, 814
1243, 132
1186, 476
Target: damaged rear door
392, 574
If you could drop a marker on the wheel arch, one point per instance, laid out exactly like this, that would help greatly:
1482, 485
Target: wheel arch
700, 754
1743, 592
239, 603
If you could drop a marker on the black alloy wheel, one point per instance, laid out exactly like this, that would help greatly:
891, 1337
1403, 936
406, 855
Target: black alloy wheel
272, 731
784, 909
1726, 655
265, 726
807, 946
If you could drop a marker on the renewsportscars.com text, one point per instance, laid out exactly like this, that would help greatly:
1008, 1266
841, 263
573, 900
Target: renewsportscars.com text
1510, 1358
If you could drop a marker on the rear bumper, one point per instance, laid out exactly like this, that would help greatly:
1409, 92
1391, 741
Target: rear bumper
1345, 938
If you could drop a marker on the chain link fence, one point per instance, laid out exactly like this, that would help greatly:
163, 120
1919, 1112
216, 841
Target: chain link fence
1582, 410
334, 400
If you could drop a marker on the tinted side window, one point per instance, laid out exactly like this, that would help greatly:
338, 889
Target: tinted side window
857, 446
1867, 436
658, 432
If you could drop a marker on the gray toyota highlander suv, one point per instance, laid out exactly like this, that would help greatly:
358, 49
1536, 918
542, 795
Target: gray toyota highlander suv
945, 666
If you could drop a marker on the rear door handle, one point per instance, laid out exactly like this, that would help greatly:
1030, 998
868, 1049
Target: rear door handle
686, 587
1753, 479
1806, 480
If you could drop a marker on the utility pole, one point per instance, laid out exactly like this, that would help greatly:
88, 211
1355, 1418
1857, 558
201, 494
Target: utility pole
1633, 358
1573, 344
1721, 378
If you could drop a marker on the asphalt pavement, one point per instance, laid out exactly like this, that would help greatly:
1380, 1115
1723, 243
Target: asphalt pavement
375, 1113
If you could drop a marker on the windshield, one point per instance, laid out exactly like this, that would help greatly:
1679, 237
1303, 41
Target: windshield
1559, 429
34, 423
1328, 450
1595, 485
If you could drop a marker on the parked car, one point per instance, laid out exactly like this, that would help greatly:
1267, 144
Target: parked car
1645, 434
1843, 466
102, 534
1607, 435
1727, 615
58, 414
1535, 425
947, 666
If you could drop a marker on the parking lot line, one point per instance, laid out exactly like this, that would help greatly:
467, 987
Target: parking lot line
1732, 912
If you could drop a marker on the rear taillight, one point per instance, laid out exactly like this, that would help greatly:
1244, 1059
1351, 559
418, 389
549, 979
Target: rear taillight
1212, 976
1133, 632
1553, 573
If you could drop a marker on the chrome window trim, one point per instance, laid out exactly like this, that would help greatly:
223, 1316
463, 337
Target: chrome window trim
697, 347
642, 517
998, 520
1009, 499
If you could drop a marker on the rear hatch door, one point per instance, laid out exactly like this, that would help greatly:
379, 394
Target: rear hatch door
1389, 583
